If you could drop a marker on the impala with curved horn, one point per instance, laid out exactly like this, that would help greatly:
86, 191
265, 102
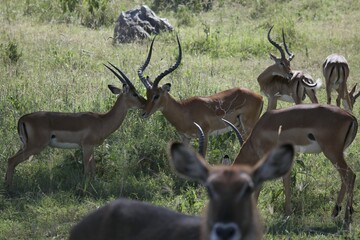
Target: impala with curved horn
279, 82
240, 106
311, 128
231, 212
336, 72
84, 130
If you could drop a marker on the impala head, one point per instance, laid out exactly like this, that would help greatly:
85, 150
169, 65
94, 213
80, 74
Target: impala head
353, 96
282, 64
231, 213
156, 95
134, 99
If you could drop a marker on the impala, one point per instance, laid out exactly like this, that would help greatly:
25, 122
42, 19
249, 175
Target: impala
240, 106
279, 82
311, 128
84, 130
231, 212
336, 73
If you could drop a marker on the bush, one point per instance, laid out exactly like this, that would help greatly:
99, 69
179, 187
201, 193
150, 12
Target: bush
12, 53
194, 5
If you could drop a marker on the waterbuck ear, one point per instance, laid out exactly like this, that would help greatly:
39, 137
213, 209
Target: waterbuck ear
188, 163
166, 87
114, 89
276, 164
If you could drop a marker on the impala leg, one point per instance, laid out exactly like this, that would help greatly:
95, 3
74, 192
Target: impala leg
328, 92
287, 191
346, 98
21, 156
272, 103
348, 180
338, 101
312, 95
88, 160
339, 200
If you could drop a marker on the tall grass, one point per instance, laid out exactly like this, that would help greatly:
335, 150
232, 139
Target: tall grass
52, 64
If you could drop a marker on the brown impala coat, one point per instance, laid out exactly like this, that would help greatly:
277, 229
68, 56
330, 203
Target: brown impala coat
311, 128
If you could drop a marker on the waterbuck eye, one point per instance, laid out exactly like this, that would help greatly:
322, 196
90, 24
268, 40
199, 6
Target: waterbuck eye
135, 94
156, 97
210, 191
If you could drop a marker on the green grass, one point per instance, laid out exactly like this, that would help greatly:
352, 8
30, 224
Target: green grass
50, 61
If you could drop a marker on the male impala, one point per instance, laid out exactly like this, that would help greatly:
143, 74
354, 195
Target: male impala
336, 73
238, 105
84, 130
311, 128
279, 82
231, 213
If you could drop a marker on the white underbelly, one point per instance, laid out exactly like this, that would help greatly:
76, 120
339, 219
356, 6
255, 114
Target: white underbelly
314, 147
286, 98
56, 144
220, 131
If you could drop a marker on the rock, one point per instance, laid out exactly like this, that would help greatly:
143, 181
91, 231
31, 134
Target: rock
137, 24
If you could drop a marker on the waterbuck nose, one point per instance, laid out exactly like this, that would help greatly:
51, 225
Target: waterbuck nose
228, 231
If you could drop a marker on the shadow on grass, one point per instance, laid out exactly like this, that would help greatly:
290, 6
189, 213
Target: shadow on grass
291, 227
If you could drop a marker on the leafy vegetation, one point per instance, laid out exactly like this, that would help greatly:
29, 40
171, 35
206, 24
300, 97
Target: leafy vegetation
52, 62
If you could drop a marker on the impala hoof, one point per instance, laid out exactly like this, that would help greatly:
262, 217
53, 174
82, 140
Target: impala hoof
336, 211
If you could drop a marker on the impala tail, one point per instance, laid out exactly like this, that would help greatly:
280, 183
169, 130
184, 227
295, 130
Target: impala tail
351, 134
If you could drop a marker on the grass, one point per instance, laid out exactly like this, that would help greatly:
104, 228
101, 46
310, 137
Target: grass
50, 61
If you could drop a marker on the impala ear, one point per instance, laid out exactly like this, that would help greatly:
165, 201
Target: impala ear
126, 88
114, 89
166, 87
272, 57
188, 163
276, 164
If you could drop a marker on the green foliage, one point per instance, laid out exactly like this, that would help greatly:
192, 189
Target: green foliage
184, 16
95, 13
194, 5
12, 53
53, 66
69, 5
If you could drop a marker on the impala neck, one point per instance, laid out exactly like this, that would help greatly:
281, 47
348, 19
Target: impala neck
266, 75
247, 153
114, 118
173, 111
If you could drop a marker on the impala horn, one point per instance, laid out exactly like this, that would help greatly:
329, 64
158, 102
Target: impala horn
144, 80
172, 68
276, 45
291, 55
124, 79
238, 134
201, 140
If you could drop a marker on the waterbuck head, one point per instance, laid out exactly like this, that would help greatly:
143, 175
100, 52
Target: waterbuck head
231, 213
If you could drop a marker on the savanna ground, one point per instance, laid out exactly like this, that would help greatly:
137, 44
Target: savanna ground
51, 58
